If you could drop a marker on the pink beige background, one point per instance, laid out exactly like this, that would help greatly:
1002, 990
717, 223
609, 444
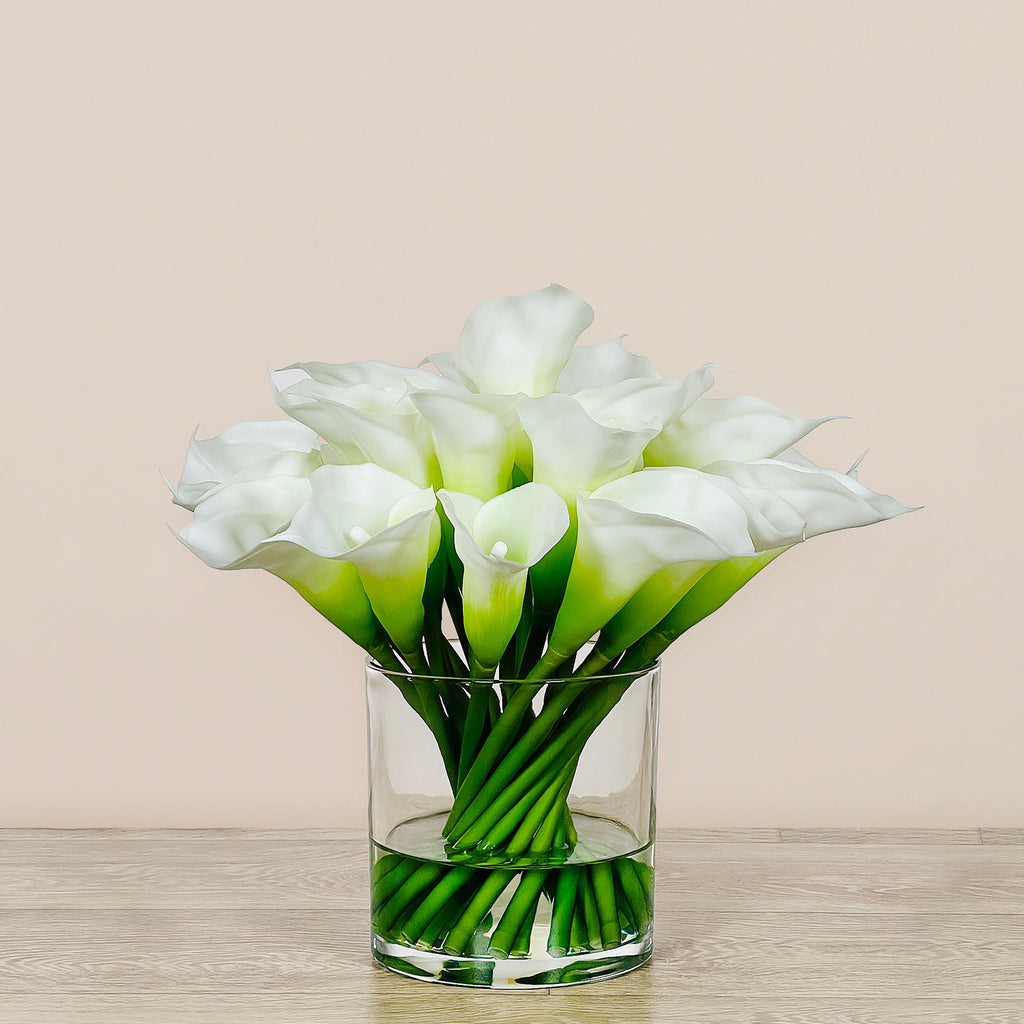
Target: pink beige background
826, 198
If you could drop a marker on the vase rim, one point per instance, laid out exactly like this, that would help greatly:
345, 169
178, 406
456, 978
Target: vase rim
597, 677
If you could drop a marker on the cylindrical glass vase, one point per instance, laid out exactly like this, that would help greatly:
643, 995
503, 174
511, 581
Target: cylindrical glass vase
512, 827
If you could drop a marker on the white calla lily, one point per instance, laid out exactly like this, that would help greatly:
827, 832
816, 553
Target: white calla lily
240, 526
386, 527
497, 542
673, 523
364, 422
521, 343
787, 491
738, 429
475, 438
245, 451
825, 499
572, 452
630, 403
599, 366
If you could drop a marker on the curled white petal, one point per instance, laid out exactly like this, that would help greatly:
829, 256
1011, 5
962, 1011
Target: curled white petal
521, 343
599, 366
474, 437
630, 403
365, 423
571, 451
246, 451
738, 429
383, 524
825, 499
381, 375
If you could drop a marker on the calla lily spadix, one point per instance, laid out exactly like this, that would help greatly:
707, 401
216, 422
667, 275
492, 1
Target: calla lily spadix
246, 451
386, 527
497, 542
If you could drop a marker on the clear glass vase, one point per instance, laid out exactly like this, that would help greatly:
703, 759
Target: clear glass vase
512, 827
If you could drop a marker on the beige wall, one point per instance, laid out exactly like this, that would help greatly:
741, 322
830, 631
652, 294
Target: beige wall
824, 197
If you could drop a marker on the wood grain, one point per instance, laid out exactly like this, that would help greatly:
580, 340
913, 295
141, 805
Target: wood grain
768, 926
600, 1004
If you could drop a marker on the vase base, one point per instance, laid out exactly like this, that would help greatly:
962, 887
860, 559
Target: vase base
515, 974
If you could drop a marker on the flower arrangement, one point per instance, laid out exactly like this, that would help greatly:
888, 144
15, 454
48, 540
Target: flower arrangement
567, 513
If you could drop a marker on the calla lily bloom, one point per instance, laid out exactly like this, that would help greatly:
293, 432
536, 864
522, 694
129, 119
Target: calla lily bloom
521, 343
825, 499
598, 366
786, 489
630, 403
572, 452
240, 526
364, 422
246, 451
386, 527
673, 522
475, 436
738, 429
497, 542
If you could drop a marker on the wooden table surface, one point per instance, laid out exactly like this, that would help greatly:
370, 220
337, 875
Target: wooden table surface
759, 926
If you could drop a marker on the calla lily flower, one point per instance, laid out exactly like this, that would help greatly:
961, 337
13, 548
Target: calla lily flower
246, 451
240, 526
786, 490
825, 499
572, 452
673, 522
631, 403
739, 429
365, 422
521, 343
599, 366
498, 541
386, 527
475, 437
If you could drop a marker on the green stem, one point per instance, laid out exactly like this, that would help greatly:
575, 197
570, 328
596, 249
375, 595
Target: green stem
494, 885
514, 777
423, 877
557, 832
604, 893
445, 919
551, 802
523, 905
636, 899
590, 914
494, 746
563, 906
437, 898
388, 883
473, 729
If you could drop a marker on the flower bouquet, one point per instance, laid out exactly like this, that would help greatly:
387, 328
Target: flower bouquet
514, 538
